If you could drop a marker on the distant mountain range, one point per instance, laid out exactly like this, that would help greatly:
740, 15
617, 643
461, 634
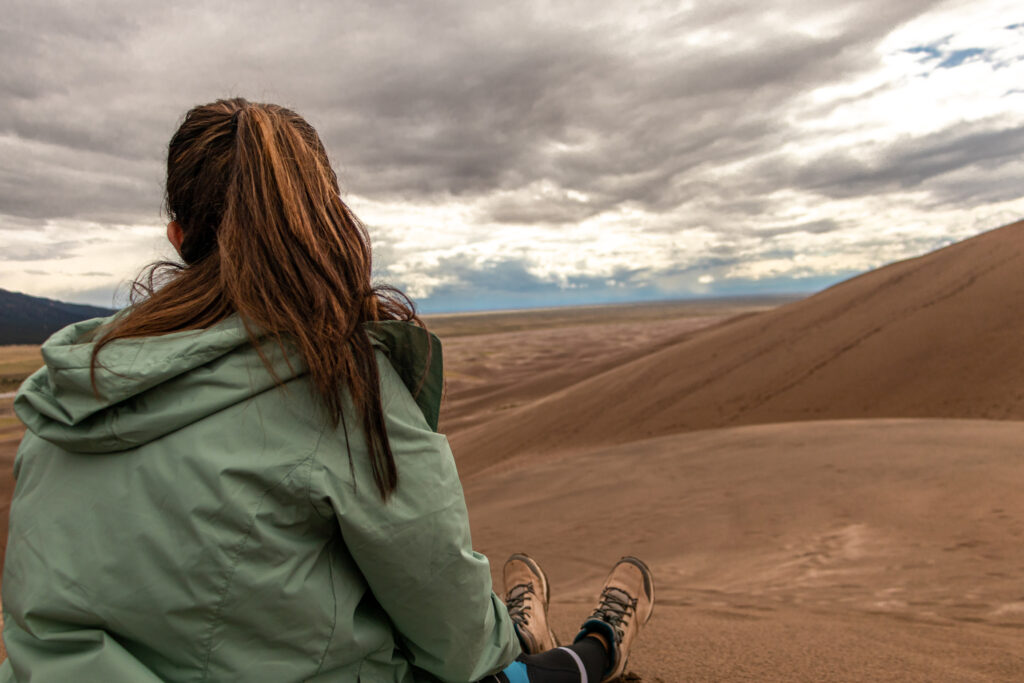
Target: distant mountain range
28, 319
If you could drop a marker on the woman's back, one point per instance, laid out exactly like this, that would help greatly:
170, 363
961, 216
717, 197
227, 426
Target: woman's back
238, 477
201, 523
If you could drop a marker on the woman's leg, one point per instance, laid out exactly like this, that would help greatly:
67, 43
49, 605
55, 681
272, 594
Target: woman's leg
582, 662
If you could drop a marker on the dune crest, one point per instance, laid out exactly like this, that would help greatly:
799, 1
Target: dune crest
934, 336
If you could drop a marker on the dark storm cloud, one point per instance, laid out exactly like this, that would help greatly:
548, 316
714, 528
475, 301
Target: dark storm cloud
541, 113
910, 163
38, 252
818, 227
461, 100
543, 210
573, 108
978, 186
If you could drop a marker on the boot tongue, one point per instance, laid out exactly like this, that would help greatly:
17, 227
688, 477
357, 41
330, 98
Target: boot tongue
617, 600
615, 607
516, 601
520, 590
619, 594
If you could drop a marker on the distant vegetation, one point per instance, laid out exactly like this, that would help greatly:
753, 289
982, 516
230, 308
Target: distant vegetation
17, 363
28, 319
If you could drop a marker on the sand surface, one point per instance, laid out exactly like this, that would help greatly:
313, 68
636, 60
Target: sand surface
846, 550
488, 375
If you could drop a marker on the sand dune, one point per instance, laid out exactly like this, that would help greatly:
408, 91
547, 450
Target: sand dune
852, 550
935, 336
488, 374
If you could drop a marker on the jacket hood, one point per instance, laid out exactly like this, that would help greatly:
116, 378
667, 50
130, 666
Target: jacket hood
151, 386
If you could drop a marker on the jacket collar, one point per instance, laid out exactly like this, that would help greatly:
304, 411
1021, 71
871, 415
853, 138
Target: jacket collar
148, 387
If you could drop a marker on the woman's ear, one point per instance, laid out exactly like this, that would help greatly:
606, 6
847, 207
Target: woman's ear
175, 235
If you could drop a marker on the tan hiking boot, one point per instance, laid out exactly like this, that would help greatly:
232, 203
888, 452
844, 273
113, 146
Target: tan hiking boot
527, 596
625, 605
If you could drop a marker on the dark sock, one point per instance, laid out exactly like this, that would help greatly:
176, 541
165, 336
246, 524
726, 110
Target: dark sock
558, 666
594, 656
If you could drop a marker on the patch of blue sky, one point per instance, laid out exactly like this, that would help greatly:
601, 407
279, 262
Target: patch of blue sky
1015, 27
931, 51
958, 57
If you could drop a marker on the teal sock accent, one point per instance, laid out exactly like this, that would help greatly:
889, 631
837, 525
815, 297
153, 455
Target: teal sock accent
516, 673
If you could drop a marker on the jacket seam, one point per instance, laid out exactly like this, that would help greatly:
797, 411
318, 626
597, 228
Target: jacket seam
334, 619
313, 460
233, 566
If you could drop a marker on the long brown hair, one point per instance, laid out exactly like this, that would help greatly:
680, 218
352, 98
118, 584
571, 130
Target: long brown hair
267, 236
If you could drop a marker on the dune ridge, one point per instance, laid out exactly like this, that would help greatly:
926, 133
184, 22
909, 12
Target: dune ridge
933, 336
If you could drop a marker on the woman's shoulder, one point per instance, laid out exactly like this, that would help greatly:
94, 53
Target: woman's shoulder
415, 355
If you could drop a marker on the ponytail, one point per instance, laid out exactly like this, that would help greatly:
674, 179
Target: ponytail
267, 236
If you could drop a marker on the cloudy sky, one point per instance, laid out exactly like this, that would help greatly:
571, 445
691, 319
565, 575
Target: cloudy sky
532, 153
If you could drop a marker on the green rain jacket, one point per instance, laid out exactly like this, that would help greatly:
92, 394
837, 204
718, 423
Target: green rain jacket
200, 523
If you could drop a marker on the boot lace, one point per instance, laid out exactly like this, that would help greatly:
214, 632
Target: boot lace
517, 603
615, 609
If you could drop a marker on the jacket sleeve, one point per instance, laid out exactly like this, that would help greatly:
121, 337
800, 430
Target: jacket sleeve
415, 549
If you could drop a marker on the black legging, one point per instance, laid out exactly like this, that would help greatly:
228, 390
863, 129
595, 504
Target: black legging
582, 662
